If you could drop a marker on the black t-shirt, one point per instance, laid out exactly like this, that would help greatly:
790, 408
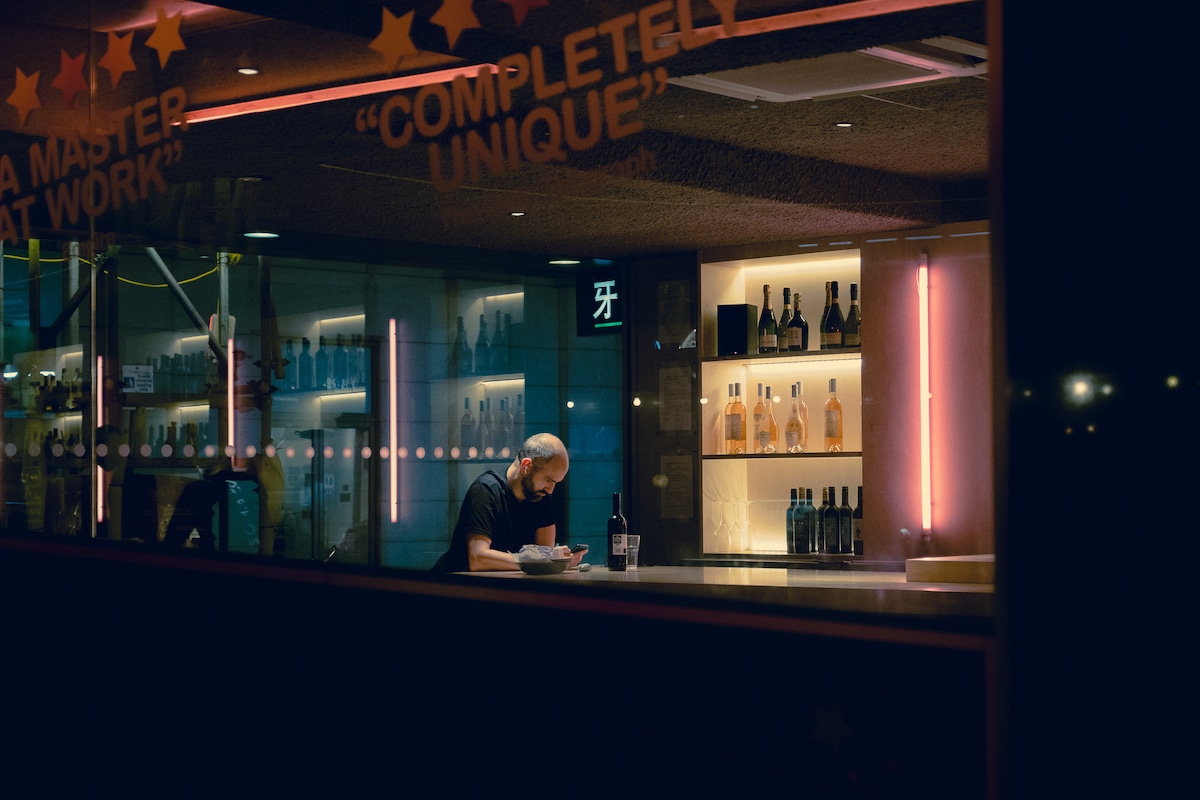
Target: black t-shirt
491, 509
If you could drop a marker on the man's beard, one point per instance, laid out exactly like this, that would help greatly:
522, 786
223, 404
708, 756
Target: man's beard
527, 489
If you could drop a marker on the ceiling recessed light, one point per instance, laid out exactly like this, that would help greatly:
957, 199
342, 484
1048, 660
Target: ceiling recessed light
516, 213
247, 71
261, 235
843, 124
564, 262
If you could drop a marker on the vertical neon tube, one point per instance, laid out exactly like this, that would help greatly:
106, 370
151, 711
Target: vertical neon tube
99, 391
923, 320
393, 420
230, 375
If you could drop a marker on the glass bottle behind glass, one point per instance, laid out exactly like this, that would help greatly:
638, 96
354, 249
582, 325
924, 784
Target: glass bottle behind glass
785, 319
341, 364
736, 422
797, 332
483, 349
460, 359
772, 425
500, 346
791, 521
803, 416
768, 328
618, 532
851, 336
832, 332
846, 522
793, 429
762, 433
289, 368
466, 426
321, 365
305, 377
483, 435
857, 524
833, 420
519, 422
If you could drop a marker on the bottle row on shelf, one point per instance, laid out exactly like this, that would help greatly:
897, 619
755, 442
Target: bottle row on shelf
339, 366
492, 352
829, 528
494, 431
789, 334
765, 436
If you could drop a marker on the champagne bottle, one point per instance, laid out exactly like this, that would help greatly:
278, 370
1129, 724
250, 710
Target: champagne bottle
736, 423
853, 320
857, 524
618, 531
791, 521
466, 429
500, 346
785, 319
762, 431
797, 337
772, 425
306, 366
483, 349
321, 365
846, 522
833, 420
794, 428
825, 313
460, 360
768, 328
826, 524
832, 333
803, 416
810, 521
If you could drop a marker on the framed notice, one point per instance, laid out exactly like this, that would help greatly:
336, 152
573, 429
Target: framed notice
137, 377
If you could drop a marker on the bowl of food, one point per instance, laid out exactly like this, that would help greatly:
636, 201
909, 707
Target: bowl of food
554, 566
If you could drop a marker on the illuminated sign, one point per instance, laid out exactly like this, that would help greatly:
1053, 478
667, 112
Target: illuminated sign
599, 302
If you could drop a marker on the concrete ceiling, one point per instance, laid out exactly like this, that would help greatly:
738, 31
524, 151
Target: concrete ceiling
705, 171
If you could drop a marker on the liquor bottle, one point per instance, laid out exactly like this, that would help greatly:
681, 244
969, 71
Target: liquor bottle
846, 522
797, 333
511, 356
803, 406
851, 336
493, 440
793, 429
466, 429
361, 376
483, 436
785, 319
832, 332
772, 425
519, 422
768, 328
737, 422
791, 521
504, 427
826, 525
833, 420
857, 524
341, 364
762, 430
825, 313
321, 365
810, 521
483, 349
289, 368
728, 422
618, 530
833, 523
500, 346
460, 359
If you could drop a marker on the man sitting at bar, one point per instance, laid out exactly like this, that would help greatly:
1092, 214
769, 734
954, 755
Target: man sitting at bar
501, 513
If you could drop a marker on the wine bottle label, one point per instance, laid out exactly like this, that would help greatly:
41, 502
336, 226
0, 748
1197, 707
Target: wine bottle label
792, 438
618, 544
733, 426
852, 340
764, 439
768, 341
831, 421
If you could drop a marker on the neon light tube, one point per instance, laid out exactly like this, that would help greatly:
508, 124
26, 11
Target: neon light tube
99, 426
229, 378
923, 321
393, 420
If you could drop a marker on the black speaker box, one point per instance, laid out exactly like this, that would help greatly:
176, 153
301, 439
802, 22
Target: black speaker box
737, 330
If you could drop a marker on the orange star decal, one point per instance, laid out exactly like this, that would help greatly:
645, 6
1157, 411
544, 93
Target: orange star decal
521, 7
394, 41
117, 59
165, 38
24, 98
455, 16
70, 76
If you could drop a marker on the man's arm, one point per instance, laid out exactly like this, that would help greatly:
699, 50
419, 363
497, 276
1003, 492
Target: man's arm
481, 556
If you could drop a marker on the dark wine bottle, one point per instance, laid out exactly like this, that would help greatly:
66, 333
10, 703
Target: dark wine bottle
461, 361
797, 332
846, 522
791, 521
810, 522
824, 315
829, 521
483, 349
785, 319
857, 524
835, 324
853, 320
618, 532
500, 346
305, 379
321, 365
768, 328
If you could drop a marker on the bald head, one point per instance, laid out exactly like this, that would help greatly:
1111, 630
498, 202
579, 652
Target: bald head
541, 448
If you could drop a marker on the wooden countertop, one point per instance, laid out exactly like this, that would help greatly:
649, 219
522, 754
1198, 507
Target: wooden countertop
889, 594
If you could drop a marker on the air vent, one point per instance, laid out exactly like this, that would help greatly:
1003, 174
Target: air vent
875, 69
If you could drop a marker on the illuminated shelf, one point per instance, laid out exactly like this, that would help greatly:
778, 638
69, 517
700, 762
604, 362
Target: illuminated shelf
846, 354
752, 456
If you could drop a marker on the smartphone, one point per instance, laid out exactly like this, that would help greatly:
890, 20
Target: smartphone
579, 548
